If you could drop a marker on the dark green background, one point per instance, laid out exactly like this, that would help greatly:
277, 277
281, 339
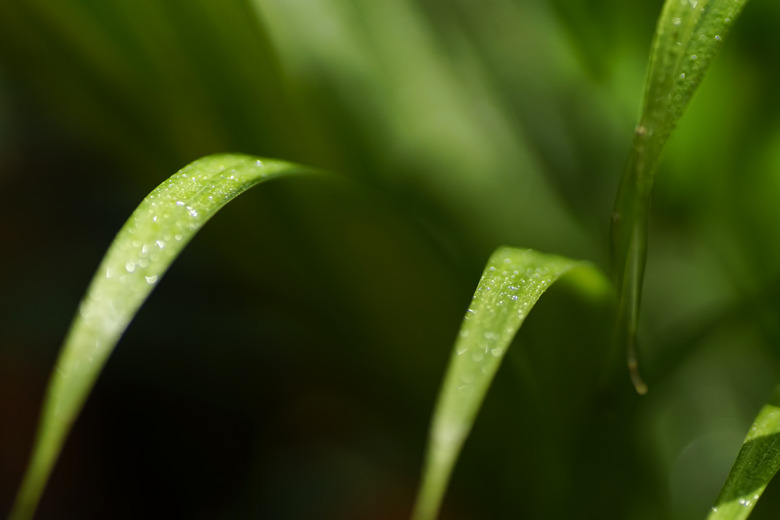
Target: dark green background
287, 366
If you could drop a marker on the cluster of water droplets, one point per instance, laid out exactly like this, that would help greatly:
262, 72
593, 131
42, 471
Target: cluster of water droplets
746, 502
140, 254
148, 243
512, 282
685, 47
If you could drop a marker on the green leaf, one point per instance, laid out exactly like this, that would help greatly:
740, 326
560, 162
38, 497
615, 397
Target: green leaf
688, 36
512, 282
151, 239
757, 463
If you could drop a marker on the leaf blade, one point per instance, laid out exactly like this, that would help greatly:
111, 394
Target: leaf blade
757, 463
143, 250
512, 282
687, 39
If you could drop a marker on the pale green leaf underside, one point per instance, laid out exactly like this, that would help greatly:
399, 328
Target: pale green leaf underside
688, 36
141, 253
512, 282
756, 465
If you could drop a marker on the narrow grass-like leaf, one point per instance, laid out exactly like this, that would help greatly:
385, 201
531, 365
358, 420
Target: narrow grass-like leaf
512, 282
757, 463
688, 36
157, 231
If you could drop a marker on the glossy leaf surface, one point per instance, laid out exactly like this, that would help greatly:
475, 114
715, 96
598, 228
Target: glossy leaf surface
511, 284
153, 237
756, 465
688, 36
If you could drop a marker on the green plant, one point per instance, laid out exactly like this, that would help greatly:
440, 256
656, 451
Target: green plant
687, 38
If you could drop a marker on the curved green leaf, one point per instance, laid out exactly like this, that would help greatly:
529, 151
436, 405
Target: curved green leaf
757, 463
151, 239
688, 36
512, 282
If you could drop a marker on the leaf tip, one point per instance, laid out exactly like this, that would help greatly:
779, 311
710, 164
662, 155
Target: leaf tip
636, 378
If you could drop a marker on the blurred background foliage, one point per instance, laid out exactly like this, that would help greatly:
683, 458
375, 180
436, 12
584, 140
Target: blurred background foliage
287, 366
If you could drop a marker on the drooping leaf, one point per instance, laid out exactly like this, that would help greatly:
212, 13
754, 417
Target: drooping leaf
512, 282
757, 463
688, 36
151, 239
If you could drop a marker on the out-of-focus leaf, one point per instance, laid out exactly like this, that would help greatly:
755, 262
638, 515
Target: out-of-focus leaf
688, 36
756, 464
157, 231
512, 282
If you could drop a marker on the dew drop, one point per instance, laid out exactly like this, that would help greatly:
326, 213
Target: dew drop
84, 310
682, 76
160, 244
129, 267
496, 352
717, 37
694, 57
179, 203
151, 280
465, 390
676, 21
